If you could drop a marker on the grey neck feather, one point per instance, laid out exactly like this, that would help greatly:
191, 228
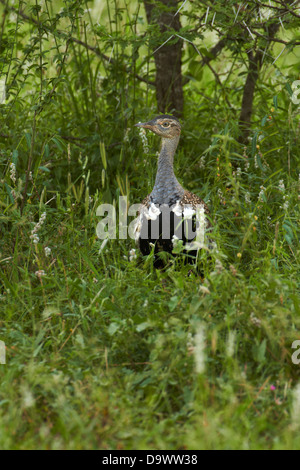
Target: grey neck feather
167, 189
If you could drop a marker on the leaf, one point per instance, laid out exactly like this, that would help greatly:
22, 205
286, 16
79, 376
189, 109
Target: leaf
59, 143
288, 239
47, 151
103, 155
113, 328
44, 168
28, 140
258, 159
9, 193
142, 326
289, 230
264, 120
253, 147
173, 303
296, 302
15, 156
259, 351
289, 89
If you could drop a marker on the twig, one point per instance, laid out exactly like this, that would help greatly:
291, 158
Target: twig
72, 332
95, 50
164, 43
180, 7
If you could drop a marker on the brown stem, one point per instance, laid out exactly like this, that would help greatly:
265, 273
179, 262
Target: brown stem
248, 95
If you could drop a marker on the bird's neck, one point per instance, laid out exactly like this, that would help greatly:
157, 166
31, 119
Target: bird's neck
167, 189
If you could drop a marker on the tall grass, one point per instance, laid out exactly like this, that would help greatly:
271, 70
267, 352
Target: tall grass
102, 350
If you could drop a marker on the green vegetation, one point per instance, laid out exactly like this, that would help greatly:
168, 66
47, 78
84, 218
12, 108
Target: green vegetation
102, 350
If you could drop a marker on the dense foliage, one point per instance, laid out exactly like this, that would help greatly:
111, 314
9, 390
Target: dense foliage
102, 350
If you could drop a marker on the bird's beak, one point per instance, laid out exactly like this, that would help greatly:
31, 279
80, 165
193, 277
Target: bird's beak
145, 125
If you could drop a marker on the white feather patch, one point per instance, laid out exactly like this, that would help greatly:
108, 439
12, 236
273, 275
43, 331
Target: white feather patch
152, 212
188, 212
177, 209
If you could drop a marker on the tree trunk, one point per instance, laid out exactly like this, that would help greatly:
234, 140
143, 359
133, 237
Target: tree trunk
168, 81
248, 95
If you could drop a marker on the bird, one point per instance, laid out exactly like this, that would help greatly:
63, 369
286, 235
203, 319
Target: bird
169, 213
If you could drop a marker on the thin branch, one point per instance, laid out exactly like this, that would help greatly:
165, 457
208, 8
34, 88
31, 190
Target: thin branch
283, 10
214, 51
95, 50
286, 43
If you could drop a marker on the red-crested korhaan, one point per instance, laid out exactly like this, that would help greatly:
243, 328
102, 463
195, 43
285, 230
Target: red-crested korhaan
170, 213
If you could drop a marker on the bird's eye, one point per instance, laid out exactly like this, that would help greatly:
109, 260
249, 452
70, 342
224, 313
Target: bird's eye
166, 124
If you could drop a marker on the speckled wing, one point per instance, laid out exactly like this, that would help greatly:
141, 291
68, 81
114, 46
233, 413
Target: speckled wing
195, 201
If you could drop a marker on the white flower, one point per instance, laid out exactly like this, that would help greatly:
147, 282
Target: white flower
175, 240
144, 139
13, 172
281, 186
126, 136
221, 197
132, 254
202, 162
247, 165
261, 193
256, 321
47, 251
40, 273
247, 198
34, 237
286, 205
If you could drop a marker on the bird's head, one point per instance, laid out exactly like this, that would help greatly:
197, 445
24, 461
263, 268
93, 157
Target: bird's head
165, 126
